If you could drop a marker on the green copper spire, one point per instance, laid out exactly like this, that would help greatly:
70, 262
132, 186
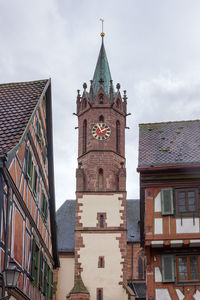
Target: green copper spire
102, 77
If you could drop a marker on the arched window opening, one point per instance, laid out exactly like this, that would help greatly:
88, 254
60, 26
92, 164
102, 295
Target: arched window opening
99, 294
117, 182
140, 268
118, 137
101, 101
100, 179
118, 103
101, 221
101, 118
84, 136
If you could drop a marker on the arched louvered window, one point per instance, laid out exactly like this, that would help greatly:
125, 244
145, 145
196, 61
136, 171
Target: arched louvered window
100, 179
101, 118
140, 268
118, 137
84, 136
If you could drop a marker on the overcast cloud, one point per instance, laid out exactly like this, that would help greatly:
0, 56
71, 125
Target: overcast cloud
153, 48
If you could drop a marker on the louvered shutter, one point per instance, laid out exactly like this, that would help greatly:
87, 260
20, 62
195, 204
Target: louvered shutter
33, 260
168, 274
167, 203
41, 271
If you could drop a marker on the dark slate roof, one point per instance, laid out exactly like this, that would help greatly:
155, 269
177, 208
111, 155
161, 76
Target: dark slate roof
102, 71
169, 144
139, 289
133, 217
65, 217
17, 103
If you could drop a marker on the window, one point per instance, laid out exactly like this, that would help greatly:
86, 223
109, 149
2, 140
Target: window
186, 201
167, 201
188, 268
101, 118
100, 179
101, 221
41, 274
118, 137
34, 180
44, 207
101, 262
39, 131
84, 136
140, 268
101, 101
99, 294
35, 262
29, 164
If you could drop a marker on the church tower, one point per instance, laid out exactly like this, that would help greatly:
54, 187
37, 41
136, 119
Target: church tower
100, 236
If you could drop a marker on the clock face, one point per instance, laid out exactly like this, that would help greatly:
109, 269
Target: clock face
101, 131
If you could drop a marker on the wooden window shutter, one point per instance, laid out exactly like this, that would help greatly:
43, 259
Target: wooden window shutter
33, 259
29, 164
167, 203
41, 271
168, 274
51, 286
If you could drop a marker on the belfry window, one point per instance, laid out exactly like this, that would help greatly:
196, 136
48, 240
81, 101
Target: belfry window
118, 137
101, 118
84, 136
100, 179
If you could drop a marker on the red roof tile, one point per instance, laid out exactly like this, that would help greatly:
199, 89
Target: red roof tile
17, 102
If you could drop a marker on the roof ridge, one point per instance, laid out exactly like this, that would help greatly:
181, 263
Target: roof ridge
167, 122
21, 82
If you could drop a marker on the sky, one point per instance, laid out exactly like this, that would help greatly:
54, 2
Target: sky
153, 49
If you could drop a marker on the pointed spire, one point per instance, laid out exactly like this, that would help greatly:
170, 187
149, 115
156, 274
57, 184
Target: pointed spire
102, 75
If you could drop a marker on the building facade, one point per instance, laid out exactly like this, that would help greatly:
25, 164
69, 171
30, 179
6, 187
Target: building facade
27, 201
169, 166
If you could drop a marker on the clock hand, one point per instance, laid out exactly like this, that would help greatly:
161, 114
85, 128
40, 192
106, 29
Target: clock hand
99, 127
103, 129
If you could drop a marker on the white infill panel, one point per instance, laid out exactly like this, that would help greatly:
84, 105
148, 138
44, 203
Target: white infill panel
196, 296
158, 226
157, 244
194, 243
162, 294
158, 276
176, 243
157, 203
187, 225
180, 294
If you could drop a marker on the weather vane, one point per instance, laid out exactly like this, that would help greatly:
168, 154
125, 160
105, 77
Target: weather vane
102, 33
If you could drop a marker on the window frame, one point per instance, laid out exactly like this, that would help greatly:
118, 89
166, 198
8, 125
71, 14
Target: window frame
188, 268
187, 213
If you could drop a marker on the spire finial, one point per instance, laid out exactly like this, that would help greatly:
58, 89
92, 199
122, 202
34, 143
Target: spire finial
102, 33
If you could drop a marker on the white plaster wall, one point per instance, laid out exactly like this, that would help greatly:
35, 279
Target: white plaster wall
157, 203
180, 294
107, 278
158, 225
187, 225
92, 204
162, 294
196, 296
158, 276
65, 277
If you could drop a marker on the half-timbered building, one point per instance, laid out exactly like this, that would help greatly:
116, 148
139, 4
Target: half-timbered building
27, 201
169, 166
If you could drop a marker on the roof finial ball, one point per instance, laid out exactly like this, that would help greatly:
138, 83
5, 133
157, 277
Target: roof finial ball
102, 33
85, 85
118, 86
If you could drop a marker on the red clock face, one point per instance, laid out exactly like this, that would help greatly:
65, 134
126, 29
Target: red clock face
101, 131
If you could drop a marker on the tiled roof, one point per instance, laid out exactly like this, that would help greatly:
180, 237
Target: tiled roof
169, 144
139, 289
65, 217
17, 102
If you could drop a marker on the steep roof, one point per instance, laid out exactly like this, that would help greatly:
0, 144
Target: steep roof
102, 75
17, 103
65, 217
169, 144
